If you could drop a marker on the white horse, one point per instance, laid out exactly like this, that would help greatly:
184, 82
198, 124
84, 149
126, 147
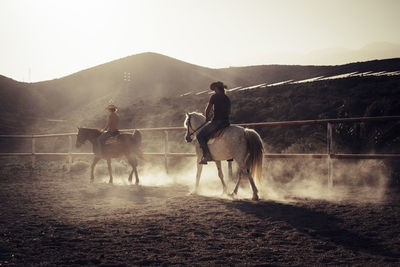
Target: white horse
242, 145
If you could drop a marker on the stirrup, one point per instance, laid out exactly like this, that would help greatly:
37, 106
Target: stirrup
203, 161
206, 158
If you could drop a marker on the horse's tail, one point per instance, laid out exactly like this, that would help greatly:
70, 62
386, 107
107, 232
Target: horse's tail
256, 153
136, 138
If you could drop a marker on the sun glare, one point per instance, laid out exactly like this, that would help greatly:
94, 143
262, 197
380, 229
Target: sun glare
57, 38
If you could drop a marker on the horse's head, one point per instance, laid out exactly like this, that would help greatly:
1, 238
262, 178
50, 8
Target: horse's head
87, 134
188, 136
81, 137
193, 123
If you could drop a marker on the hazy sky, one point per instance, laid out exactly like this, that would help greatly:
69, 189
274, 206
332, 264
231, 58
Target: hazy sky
49, 39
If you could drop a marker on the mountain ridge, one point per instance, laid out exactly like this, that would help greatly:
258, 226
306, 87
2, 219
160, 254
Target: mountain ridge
153, 76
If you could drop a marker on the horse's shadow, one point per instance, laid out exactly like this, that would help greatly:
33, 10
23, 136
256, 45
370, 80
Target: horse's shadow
316, 224
136, 193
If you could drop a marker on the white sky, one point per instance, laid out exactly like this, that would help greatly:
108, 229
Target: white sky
54, 38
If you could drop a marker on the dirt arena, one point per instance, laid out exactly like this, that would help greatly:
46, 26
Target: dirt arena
53, 219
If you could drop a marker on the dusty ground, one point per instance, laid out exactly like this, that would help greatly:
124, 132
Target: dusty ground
52, 219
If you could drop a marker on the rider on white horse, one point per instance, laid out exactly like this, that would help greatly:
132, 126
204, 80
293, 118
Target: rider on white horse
222, 109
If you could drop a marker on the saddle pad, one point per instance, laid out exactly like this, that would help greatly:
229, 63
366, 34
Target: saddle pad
217, 135
111, 140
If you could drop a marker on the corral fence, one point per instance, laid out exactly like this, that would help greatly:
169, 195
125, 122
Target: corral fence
329, 155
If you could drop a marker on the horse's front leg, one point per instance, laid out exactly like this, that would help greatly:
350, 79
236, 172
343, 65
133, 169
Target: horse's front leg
198, 174
199, 168
109, 170
221, 176
95, 160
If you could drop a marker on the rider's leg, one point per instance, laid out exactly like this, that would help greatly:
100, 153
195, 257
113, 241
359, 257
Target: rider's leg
202, 138
100, 143
101, 140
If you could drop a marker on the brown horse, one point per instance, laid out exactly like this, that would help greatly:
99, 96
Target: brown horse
127, 145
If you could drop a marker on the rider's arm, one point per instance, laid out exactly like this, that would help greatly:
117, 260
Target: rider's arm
208, 111
229, 110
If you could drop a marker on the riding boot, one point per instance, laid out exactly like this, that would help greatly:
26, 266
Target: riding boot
206, 155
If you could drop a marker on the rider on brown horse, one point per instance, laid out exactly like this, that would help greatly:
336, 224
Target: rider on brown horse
111, 128
222, 109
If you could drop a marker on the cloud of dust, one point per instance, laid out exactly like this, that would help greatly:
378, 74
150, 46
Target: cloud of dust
355, 181
153, 174
283, 180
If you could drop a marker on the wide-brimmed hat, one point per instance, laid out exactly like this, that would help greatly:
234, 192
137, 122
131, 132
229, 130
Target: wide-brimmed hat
219, 85
111, 106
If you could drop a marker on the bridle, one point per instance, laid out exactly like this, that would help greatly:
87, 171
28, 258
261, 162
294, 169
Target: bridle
189, 135
79, 141
82, 136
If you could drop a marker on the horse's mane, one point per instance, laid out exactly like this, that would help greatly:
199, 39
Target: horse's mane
89, 131
197, 115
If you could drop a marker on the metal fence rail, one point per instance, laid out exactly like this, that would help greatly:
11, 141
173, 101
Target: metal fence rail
166, 154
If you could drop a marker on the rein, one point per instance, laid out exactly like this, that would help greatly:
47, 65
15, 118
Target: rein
88, 134
194, 130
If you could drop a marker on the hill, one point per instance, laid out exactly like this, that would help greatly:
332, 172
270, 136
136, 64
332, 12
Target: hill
80, 97
378, 50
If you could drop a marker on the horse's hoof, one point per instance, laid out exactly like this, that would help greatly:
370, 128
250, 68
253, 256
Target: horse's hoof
194, 193
232, 195
110, 182
91, 181
255, 197
136, 183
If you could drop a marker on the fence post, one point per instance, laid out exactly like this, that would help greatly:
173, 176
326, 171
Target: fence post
166, 150
69, 152
329, 151
33, 153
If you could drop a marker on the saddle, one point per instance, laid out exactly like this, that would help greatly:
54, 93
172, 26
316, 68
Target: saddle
217, 135
112, 139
